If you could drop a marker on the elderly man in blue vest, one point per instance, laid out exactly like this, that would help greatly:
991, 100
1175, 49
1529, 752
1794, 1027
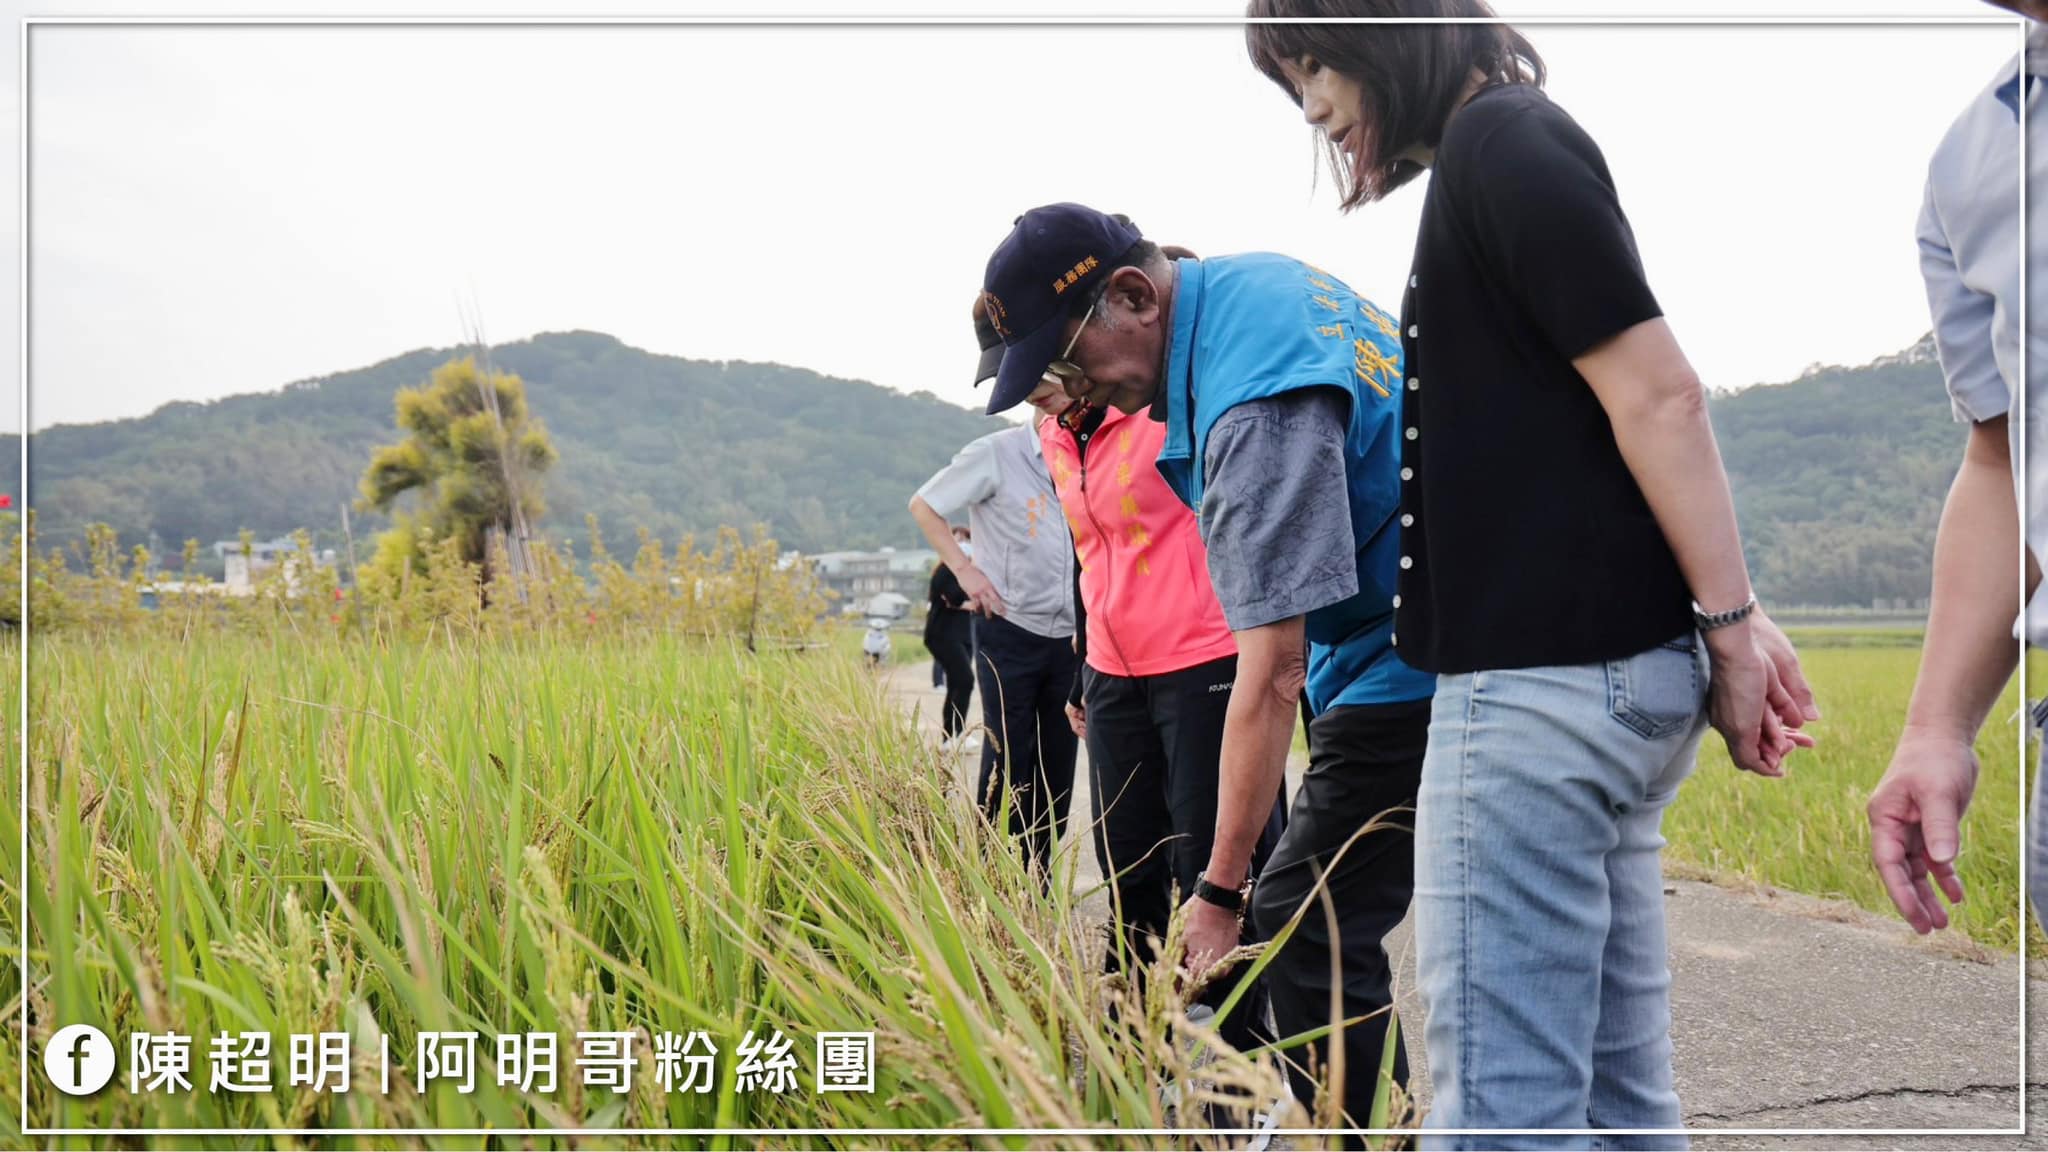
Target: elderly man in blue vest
1280, 391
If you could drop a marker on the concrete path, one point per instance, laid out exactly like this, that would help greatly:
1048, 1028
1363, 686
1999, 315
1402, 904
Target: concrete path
1789, 1012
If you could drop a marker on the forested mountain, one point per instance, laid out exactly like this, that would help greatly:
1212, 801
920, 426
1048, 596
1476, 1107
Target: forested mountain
1838, 476
670, 444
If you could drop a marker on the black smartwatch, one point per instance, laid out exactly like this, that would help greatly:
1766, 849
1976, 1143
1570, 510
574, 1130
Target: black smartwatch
1228, 899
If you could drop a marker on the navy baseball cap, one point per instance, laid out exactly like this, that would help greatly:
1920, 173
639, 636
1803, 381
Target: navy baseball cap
1053, 252
991, 343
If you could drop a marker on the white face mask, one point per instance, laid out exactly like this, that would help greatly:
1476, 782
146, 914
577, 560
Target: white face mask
967, 546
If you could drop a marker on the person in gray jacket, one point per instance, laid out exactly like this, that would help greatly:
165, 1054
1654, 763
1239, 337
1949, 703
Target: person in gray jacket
1020, 581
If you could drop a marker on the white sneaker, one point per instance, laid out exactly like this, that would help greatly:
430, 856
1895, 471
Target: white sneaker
1268, 1122
1199, 1015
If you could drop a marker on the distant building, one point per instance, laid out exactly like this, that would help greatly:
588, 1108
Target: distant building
910, 573
886, 606
153, 595
852, 575
244, 570
859, 577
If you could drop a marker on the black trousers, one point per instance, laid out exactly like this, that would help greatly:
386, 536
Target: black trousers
1155, 744
1363, 761
951, 639
1029, 754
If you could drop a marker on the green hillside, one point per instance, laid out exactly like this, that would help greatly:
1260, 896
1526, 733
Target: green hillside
1838, 476
670, 444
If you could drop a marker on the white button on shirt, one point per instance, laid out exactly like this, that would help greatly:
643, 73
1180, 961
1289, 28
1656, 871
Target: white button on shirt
1969, 235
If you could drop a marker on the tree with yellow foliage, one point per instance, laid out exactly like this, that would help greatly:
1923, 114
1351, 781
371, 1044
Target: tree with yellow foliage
475, 455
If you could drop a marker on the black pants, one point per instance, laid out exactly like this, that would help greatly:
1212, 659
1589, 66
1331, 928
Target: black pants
951, 639
1363, 761
1155, 744
1030, 750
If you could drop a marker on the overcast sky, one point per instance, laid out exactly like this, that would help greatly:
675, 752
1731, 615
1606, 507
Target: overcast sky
218, 210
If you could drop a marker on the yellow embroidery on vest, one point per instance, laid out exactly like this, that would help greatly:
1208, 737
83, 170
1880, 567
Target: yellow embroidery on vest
1381, 321
1373, 365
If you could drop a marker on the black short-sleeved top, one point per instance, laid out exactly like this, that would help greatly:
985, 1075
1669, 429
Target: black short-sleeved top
1525, 540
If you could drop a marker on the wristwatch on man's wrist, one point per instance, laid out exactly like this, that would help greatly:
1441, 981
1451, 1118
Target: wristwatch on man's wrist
1707, 621
1228, 899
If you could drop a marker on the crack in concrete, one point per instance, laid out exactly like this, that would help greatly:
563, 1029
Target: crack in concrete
1861, 1097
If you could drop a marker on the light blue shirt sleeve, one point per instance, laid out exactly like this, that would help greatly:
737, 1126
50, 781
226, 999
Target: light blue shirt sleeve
970, 479
1962, 323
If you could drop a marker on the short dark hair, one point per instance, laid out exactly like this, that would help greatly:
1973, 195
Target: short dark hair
1143, 254
1411, 74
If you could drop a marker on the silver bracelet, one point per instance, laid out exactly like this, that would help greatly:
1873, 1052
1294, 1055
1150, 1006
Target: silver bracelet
1707, 621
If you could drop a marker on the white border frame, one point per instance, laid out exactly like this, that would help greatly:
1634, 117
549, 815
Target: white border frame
29, 23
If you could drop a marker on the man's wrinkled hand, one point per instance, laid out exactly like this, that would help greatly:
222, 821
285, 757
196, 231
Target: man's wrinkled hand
1211, 933
1915, 817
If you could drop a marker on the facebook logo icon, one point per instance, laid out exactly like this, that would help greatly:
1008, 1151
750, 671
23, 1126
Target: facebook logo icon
79, 1060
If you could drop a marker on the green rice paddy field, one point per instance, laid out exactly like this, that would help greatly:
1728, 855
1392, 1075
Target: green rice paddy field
655, 836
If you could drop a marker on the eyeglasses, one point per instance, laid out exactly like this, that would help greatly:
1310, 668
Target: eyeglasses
1063, 373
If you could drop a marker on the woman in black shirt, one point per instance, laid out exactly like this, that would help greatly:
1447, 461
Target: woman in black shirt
1570, 567
949, 637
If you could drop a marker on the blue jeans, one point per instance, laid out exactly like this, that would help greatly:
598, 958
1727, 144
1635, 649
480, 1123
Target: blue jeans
1539, 899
